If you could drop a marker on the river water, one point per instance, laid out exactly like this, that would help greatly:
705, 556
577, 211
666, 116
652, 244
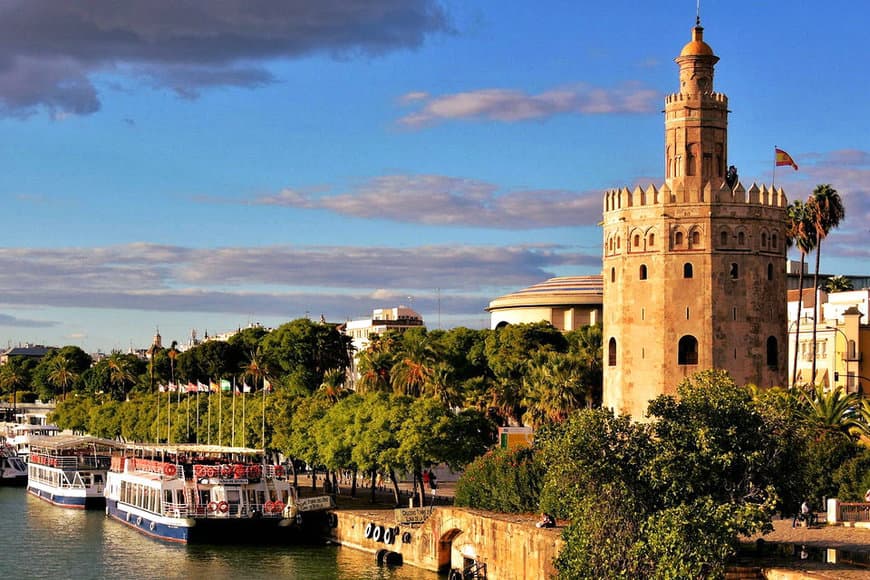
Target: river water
38, 540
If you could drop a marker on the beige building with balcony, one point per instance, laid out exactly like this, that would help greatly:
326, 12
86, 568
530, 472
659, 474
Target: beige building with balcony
842, 339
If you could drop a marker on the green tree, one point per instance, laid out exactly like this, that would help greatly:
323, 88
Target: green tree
14, 377
553, 388
301, 351
62, 374
121, 374
826, 211
801, 234
414, 363
837, 284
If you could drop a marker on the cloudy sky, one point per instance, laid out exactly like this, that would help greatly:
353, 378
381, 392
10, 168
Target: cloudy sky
206, 164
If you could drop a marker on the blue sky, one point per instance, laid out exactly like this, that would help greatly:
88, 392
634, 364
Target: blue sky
205, 165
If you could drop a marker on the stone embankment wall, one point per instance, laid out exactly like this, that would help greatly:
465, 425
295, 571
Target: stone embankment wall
511, 547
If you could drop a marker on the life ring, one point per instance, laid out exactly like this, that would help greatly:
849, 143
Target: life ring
268, 507
278, 506
379, 533
211, 471
197, 470
151, 526
226, 471
406, 538
388, 536
332, 519
253, 471
169, 470
139, 520
239, 471
279, 471
223, 507
212, 506
370, 529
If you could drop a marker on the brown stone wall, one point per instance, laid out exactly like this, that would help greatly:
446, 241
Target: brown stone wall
511, 546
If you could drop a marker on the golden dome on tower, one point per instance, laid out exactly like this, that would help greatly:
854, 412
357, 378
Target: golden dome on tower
697, 47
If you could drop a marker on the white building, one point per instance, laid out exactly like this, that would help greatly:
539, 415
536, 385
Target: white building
383, 319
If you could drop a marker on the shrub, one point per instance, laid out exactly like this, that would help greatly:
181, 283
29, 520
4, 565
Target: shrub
502, 480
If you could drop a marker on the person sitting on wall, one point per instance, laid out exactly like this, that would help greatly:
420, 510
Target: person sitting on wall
547, 521
805, 515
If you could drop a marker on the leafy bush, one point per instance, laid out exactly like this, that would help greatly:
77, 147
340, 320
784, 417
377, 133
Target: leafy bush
853, 477
502, 480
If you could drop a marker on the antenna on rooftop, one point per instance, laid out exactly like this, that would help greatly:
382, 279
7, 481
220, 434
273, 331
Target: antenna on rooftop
698, 14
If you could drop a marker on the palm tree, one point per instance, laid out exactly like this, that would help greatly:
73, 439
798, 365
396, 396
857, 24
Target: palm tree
13, 377
414, 364
554, 388
826, 210
834, 411
374, 371
61, 374
332, 386
256, 368
442, 385
837, 284
119, 372
801, 235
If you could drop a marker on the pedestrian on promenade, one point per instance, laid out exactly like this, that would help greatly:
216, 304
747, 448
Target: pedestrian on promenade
804, 515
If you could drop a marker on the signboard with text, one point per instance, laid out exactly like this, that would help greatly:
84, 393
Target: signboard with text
512, 437
310, 504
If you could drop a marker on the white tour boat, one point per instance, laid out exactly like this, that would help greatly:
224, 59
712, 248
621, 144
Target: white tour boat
21, 434
13, 471
70, 470
201, 493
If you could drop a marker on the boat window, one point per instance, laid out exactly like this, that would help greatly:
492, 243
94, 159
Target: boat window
233, 496
98, 478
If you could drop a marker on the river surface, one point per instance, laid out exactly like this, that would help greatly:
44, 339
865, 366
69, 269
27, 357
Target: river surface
38, 540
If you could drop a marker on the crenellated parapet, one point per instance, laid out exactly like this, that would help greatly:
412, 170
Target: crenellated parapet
681, 98
673, 192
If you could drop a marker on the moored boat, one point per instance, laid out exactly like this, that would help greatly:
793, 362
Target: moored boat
70, 470
20, 436
201, 493
13, 471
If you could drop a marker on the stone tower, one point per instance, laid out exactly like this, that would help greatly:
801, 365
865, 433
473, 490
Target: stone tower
694, 270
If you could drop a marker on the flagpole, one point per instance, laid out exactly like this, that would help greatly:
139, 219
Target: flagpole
263, 431
208, 421
168, 415
234, 412
773, 185
244, 432
221, 412
197, 411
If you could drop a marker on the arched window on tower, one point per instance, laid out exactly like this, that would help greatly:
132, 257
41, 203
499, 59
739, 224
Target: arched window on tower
678, 239
770, 271
687, 270
763, 239
652, 240
735, 271
696, 238
613, 274
723, 238
688, 350
772, 352
741, 239
611, 352
643, 272
636, 241
773, 241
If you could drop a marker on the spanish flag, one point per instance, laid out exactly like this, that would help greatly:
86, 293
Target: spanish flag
783, 158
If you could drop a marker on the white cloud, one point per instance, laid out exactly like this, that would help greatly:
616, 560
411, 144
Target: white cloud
507, 105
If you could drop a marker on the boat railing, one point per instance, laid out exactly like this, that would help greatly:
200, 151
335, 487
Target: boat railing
225, 510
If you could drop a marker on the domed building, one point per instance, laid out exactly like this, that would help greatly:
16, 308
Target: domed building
566, 302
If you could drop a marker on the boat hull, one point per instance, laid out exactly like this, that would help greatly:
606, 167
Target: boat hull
13, 481
199, 530
67, 501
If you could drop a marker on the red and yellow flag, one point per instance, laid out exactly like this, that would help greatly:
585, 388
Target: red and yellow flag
783, 158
